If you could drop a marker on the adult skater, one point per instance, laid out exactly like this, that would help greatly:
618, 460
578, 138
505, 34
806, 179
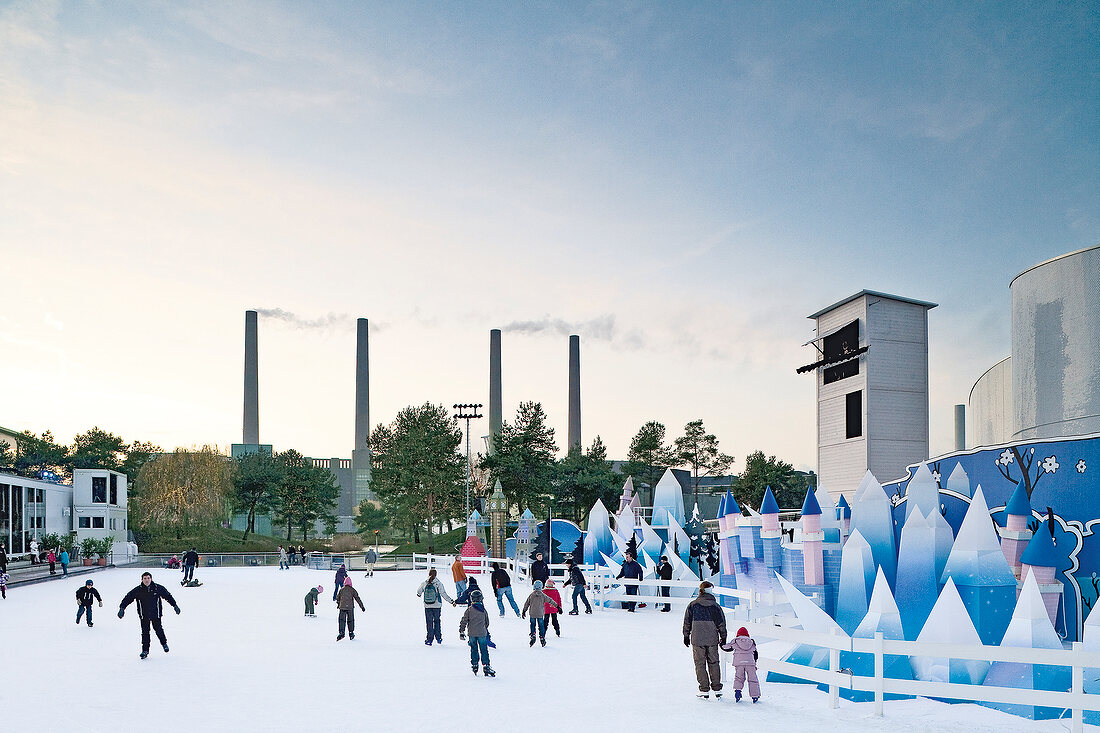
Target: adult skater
539, 569
150, 610
84, 598
284, 563
341, 575
3, 559
433, 593
536, 604
64, 558
502, 586
552, 612
630, 570
664, 572
476, 619
458, 572
3, 584
576, 579
372, 558
704, 632
744, 661
312, 599
190, 560
345, 602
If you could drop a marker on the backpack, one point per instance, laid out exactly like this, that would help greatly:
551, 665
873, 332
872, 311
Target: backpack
431, 595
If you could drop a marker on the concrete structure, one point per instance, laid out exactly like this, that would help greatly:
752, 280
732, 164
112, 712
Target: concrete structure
960, 427
251, 432
872, 387
360, 452
991, 406
496, 416
574, 393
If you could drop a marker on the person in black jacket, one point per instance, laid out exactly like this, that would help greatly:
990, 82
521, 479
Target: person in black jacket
502, 587
190, 560
539, 569
3, 559
84, 598
631, 570
576, 579
664, 572
148, 596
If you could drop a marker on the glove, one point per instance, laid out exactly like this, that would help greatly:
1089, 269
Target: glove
121, 613
687, 641
462, 636
177, 610
523, 616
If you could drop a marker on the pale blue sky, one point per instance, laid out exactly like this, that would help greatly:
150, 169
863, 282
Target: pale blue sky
682, 183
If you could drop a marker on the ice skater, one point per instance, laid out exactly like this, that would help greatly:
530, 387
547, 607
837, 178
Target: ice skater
704, 631
631, 570
552, 615
190, 560
664, 572
476, 619
467, 599
345, 602
84, 597
744, 662
284, 562
3, 584
341, 574
312, 599
502, 587
536, 604
433, 593
576, 579
458, 572
371, 558
150, 609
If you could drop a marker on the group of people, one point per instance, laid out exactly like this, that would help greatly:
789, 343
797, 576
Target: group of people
289, 556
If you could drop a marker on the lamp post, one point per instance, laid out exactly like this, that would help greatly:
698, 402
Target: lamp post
467, 413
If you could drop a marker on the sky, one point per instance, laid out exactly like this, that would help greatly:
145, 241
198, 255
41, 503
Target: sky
679, 184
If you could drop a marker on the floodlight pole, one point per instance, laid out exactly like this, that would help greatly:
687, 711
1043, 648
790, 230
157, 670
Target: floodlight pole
467, 413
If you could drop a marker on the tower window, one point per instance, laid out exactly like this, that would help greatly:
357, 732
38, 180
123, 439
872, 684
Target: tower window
853, 415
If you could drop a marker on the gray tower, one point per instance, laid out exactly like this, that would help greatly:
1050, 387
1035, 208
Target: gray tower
495, 414
574, 393
251, 381
360, 453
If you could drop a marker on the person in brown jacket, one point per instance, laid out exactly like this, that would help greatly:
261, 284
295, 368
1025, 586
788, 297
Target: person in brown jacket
704, 632
537, 603
459, 574
345, 602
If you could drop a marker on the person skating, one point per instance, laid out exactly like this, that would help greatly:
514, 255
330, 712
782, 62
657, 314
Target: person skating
704, 632
502, 587
345, 602
312, 599
551, 615
190, 560
536, 604
458, 572
84, 598
476, 619
372, 558
664, 572
539, 569
149, 597
284, 562
630, 570
467, 598
744, 661
433, 593
3, 559
341, 574
576, 579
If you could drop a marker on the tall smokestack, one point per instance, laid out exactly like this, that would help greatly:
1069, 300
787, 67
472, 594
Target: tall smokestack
960, 427
251, 381
495, 415
362, 384
574, 392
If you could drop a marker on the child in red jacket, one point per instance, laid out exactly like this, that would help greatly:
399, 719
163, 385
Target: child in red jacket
551, 611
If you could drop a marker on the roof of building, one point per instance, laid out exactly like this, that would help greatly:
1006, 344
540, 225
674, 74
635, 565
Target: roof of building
769, 505
1041, 552
844, 507
810, 506
876, 294
1019, 505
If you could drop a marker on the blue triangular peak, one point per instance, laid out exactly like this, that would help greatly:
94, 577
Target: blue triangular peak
1018, 504
769, 505
1041, 552
732, 507
475, 515
527, 514
810, 505
721, 508
845, 509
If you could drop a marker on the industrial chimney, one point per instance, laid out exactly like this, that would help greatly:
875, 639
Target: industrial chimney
574, 393
495, 415
251, 382
360, 453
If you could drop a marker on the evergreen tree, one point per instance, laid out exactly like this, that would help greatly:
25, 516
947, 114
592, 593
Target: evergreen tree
578, 550
698, 450
582, 478
648, 456
524, 461
256, 480
632, 546
697, 552
788, 485
552, 553
711, 545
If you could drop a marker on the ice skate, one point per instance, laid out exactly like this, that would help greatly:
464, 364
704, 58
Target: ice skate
717, 695
532, 642
144, 655
573, 613
338, 638
543, 641
755, 700
488, 671
165, 648
703, 695
351, 636
474, 668
737, 696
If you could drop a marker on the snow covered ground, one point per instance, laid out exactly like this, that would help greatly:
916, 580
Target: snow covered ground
244, 659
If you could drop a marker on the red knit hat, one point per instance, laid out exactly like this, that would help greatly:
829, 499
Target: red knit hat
742, 631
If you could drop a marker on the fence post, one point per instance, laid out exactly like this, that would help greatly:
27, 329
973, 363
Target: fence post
834, 667
1078, 688
879, 674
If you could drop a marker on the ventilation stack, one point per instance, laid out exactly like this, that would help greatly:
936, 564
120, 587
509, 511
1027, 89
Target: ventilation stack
495, 413
251, 434
574, 393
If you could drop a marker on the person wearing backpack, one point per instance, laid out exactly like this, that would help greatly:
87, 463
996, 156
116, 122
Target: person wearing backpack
433, 592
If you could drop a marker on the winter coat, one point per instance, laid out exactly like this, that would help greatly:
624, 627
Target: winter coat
499, 579
631, 569
64, 557
347, 598
576, 577
313, 595
457, 571
552, 595
190, 558
664, 571
341, 574
85, 595
744, 650
50, 557
476, 619
538, 603
464, 597
282, 555
372, 556
704, 621
148, 600
438, 589
539, 571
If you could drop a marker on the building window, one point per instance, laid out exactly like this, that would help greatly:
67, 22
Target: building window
40, 522
114, 489
853, 414
83, 522
835, 346
99, 489
97, 522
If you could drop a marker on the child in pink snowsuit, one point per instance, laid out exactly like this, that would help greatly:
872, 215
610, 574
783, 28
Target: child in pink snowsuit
744, 661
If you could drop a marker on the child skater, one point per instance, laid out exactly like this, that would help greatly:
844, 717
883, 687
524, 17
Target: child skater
476, 619
345, 601
744, 661
312, 598
537, 603
552, 615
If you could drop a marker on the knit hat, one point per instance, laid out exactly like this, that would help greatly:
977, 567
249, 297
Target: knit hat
742, 631
537, 585
706, 584
87, 582
347, 581
549, 582
476, 596
320, 589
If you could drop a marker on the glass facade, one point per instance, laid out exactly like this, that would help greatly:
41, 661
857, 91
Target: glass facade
19, 541
99, 489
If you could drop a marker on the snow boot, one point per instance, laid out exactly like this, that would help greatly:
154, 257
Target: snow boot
737, 696
489, 672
